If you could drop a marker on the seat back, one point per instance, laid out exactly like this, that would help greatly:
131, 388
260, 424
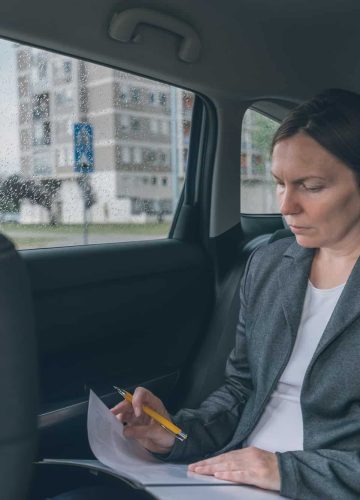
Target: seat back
18, 376
207, 371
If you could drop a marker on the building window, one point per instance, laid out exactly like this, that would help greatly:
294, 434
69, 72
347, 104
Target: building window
23, 59
24, 139
61, 130
121, 94
64, 99
41, 106
47, 133
125, 154
154, 126
57, 69
67, 71
23, 86
150, 156
165, 127
64, 157
187, 100
42, 136
162, 99
137, 155
153, 181
151, 98
41, 67
62, 70
83, 99
162, 157
41, 167
135, 124
124, 121
164, 181
24, 112
135, 95
38, 134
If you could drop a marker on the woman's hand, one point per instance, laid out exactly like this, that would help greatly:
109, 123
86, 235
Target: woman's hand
247, 466
142, 427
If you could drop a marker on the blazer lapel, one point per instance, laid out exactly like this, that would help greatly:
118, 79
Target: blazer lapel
346, 311
293, 275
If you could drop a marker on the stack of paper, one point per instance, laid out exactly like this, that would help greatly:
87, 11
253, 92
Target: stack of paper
126, 459
129, 459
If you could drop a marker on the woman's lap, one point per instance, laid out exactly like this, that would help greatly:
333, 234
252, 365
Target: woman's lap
90, 493
100, 493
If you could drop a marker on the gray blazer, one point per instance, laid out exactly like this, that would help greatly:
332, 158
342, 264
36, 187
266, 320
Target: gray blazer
271, 300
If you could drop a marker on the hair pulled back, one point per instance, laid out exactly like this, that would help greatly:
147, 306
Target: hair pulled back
331, 118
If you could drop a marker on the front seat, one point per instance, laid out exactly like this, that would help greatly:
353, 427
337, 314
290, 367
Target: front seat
18, 376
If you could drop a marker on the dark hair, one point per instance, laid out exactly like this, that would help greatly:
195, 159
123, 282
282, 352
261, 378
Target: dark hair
331, 118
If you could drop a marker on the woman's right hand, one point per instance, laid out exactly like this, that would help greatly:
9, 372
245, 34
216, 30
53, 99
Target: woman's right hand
140, 426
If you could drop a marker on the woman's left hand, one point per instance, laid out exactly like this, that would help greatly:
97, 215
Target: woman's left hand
247, 466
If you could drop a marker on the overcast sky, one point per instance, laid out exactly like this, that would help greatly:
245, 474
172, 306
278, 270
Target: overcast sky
9, 140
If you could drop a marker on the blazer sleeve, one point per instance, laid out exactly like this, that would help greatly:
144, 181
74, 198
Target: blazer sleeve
323, 473
212, 425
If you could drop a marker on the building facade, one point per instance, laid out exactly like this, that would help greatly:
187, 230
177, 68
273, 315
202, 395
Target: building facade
141, 135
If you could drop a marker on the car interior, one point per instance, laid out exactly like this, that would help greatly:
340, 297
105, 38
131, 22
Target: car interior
158, 313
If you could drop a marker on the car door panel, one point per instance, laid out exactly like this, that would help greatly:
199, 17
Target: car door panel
123, 314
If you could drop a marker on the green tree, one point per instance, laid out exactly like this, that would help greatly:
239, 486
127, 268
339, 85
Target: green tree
263, 131
15, 188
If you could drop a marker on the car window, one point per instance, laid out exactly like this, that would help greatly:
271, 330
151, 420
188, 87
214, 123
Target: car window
89, 154
257, 185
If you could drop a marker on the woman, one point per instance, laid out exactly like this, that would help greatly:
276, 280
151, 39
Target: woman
288, 416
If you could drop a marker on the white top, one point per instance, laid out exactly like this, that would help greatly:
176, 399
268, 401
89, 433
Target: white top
280, 427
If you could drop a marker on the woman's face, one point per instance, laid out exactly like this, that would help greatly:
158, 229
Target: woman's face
318, 194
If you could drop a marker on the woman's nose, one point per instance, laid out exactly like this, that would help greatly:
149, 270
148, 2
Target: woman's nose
288, 203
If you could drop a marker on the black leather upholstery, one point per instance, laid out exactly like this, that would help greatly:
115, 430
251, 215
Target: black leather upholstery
18, 377
207, 371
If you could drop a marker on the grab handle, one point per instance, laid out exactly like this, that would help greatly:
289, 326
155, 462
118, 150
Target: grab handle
123, 26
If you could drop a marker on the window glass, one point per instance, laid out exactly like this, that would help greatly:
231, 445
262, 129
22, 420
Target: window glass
89, 154
257, 185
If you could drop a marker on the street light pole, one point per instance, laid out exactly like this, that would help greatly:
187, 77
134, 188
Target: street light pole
174, 155
86, 222
84, 164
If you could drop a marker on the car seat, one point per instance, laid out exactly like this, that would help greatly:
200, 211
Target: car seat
18, 377
207, 372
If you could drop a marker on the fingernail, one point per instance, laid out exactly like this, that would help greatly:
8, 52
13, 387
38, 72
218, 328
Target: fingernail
137, 412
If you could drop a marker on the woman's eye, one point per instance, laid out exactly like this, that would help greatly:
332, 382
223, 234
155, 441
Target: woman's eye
313, 189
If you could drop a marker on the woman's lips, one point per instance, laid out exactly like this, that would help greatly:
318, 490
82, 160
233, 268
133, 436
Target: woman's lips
298, 229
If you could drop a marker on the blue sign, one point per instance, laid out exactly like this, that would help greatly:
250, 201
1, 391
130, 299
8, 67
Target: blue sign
83, 148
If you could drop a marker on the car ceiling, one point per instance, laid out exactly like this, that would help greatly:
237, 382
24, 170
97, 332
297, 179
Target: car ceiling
251, 49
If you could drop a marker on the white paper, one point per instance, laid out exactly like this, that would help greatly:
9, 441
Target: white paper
128, 458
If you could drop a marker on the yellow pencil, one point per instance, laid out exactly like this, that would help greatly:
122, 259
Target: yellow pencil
164, 422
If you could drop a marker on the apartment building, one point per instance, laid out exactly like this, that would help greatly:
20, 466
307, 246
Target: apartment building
140, 136
257, 186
